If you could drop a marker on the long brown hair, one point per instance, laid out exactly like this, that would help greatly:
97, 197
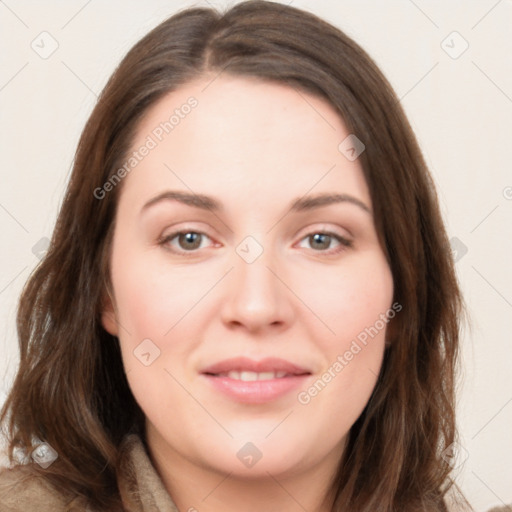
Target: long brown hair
71, 390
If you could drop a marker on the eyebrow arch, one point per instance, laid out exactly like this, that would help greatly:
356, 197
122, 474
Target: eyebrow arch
309, 202
298, 205
194, 200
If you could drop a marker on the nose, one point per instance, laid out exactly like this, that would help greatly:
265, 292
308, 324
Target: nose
257, 296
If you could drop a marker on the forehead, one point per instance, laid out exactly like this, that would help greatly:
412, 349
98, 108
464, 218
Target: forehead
247, 135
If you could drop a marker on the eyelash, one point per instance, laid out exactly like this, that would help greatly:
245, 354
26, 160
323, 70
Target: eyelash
344, 242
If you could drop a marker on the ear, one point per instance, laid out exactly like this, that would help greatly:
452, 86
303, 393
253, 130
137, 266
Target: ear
109, 316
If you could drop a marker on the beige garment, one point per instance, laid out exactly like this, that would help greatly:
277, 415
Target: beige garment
140, 487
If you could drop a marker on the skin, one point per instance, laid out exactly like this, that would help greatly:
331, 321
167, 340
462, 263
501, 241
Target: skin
255, 147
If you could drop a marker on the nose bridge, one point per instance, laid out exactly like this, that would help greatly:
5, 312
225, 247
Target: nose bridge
256, 296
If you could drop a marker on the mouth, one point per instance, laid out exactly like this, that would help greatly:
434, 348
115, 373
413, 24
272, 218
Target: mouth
256, 382
248, 376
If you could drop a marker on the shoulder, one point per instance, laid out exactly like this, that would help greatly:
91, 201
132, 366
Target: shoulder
21, 490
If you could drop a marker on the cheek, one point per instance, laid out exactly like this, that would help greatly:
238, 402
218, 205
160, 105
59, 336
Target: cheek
355, 307
348, 300
163, 303
152, 298
153, 303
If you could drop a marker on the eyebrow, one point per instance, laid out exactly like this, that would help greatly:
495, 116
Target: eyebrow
298, 205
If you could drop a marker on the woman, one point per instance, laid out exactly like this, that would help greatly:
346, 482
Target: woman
249, 300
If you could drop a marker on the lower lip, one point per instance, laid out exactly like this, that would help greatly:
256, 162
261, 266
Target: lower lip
257, 391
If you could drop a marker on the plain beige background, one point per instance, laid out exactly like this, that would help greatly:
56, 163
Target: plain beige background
450, 64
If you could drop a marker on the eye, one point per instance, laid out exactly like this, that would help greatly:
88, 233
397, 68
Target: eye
187, 240
321, 240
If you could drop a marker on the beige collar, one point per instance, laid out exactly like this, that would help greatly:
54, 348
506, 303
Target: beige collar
140, 486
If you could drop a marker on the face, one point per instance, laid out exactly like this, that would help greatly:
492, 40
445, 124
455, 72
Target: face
299, 289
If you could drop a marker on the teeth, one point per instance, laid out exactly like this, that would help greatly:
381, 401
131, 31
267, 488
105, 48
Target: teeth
252, 376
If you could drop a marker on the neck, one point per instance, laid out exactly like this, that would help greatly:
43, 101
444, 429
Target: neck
195, 487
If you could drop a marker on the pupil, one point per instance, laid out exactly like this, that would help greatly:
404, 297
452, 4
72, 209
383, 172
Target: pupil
190, 238
318, 238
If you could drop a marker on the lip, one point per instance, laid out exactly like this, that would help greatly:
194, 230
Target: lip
269, 364
259, 391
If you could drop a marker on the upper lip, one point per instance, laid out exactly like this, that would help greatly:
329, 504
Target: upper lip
269, 364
